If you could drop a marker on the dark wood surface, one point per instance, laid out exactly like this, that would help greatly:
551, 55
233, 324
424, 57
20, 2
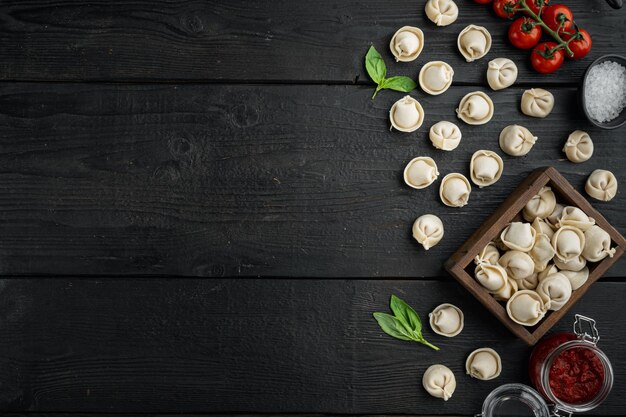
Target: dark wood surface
201, 207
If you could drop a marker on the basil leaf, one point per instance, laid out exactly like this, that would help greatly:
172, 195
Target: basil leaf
399, 83
392, 326
375, 66
406, 314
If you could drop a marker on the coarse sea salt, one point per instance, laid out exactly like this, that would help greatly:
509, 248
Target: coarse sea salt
605, 91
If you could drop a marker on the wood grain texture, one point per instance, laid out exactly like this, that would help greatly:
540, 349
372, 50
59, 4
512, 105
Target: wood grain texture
271, 40
248, 180
223, 345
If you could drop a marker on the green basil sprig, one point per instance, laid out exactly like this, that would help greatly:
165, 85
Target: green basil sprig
377, 71
405, 324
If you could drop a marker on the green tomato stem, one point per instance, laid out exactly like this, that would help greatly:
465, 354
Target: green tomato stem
555, 35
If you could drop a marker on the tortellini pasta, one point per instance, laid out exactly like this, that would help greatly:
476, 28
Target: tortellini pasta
501, 73
601, 185
507, 291
474, 42
407, 43
406, 114
541, 226
540, 205
575, 264
573, 216
491, 276
420, 172
554, 217
455, 190
578, 147
568, 243
485, 168
519, 236
542, 252
555, 290
442, 12
519, 266
551, 269
475, 108
597, 244
428, 230
516, 140
489, 254
439, 381
484, 364
577, 278
435, 77
537, 102
445, 135
446, 320
526, 307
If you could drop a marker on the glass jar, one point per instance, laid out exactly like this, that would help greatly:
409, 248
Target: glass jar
570, 371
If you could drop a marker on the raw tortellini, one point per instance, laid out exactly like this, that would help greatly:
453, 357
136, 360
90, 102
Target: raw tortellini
555, 216
597, 244
555, 290
445, 135
455, 190
542, 252
407, 43
540, 205
578, 147
406, 114
485, 168
577, 278
568, 243
439, 381
601, 185
526, 307
489, 254
541, 226
501, 73
442, 12
575, 264
573, 216
420, 172
428, 230
516, 140
537, 102
484, 364
476, 108
518, 236
491, 276
519, 266
435, 77
474, 42
446, 320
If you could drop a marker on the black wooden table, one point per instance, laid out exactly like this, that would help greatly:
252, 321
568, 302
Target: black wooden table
201, 207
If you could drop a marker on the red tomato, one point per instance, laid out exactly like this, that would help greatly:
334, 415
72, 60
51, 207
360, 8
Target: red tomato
545, 60
483, 1
535, 4
555, 14
524, 33
505, 9
581, 44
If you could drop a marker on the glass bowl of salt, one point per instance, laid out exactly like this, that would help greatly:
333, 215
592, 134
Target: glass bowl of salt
603, 92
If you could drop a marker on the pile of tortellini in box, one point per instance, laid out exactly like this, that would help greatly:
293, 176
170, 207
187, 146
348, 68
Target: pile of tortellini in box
534, 265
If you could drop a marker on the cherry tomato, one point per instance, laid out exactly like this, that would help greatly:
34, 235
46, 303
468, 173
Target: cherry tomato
524, 33
581, 44
500, 7
544, 60
483, 1
555, 14
535, 4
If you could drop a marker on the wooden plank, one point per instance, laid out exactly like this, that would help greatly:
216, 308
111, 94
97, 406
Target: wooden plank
321, 41
248, 180
268, 346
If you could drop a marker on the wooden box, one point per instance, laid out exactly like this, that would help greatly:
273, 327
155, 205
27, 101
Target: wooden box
461, 264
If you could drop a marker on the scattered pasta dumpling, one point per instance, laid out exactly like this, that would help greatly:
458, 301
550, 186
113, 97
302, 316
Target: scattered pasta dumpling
526, 307
555, 290
485, 168
407, 43
501, 73
537, 102
428, 230
489, 254
445, 135
578, 147
406, 114
576, 264
573, 216
518, 236
446, 320
435, 77
439, 381
474, 42
484, 364
568, 243
518, 265
420, 172
455, 190
516, 140
441, 12
540, 205
577, 278
475, 108
601, 185
597, 244
542, 252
